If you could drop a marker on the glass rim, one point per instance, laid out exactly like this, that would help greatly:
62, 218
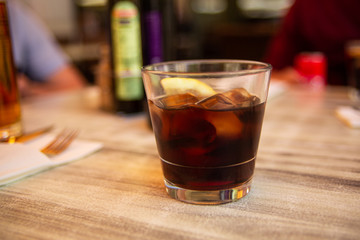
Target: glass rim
263, 67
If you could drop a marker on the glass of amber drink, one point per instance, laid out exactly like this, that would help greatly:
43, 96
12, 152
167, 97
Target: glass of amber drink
10, 113
207, 117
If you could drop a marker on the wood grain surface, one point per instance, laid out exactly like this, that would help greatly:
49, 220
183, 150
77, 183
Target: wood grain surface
306, 183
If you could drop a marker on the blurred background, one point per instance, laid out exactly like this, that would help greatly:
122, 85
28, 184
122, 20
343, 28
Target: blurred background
238, 29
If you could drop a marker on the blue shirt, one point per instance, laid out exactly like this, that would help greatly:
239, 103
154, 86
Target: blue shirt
36, 53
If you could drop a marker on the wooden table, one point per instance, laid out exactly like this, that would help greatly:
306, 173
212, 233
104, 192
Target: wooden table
306, 183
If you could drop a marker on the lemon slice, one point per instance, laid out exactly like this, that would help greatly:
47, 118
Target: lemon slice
186, 85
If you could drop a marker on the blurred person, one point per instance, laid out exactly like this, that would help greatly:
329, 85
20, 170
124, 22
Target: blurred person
315, 26
41, 65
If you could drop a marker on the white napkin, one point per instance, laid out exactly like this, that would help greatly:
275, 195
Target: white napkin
276, 88
23, 159
349, 115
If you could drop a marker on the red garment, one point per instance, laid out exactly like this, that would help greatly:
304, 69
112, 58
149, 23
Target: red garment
317, 25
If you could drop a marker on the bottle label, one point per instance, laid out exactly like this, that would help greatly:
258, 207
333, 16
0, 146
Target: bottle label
126, 39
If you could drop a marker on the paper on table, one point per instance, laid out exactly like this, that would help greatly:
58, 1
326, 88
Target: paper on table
18, 160
276, 88
23, 159
349, 115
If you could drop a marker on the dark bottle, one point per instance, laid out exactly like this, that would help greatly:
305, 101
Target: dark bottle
152, 37
126, 55
152, 32
168, 15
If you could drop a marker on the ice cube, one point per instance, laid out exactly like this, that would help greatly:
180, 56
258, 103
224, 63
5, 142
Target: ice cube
216, 102
178, 100
240, 97
159, 120
238, 94
196, 133
226, 123
192, 133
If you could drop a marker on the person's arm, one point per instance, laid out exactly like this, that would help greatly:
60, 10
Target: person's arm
288, 74
43, 65
285, 45
66, 78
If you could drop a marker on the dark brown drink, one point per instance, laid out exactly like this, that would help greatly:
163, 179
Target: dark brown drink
208, 144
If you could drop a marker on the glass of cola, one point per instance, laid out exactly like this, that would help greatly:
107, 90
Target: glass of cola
207, 117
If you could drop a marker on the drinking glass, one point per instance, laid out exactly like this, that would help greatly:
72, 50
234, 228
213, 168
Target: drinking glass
353, 54
207, 117
10, 114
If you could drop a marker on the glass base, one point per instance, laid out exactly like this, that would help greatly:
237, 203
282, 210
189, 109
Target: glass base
209, 197
10, 131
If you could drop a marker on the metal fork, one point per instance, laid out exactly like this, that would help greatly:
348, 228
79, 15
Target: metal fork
61, 142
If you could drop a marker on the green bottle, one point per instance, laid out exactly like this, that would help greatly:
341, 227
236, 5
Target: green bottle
126, 55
